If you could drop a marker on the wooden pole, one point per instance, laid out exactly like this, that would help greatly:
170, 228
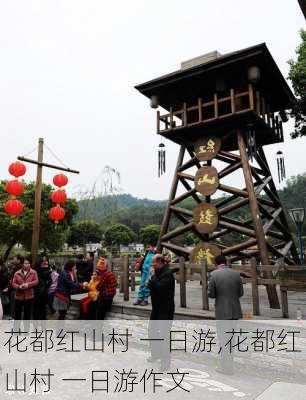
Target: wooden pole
38, 189
166, 219
205, 301
261, 241
255, 294
126, 278
183, 282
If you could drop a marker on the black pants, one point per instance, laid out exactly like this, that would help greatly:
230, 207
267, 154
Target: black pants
26, 306
159, 331
103, 306
40, 308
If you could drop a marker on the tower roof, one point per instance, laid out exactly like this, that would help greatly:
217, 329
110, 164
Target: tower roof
187, 84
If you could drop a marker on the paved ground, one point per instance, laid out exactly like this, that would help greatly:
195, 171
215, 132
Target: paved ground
194, 302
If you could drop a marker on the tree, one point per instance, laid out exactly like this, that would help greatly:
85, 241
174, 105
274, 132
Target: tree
297, 75
149, 234
19, 230
118, 234
83, 232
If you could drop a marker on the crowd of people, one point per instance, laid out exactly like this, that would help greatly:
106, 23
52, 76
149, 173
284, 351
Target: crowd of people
41, 291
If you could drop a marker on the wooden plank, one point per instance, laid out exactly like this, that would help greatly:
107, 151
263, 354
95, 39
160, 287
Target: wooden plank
284, 301
183, 295
251, 96
126, 278
233, 108
133, 277
216, 105
255, 293
205, 301
200, 109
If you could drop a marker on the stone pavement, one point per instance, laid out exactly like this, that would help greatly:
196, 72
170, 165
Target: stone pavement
194, 304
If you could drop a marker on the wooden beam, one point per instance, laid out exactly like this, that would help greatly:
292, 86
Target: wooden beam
181, 210
42, 164
186, 176
177, 231
240, 246
183, 196
175, 248
167, 214
232, 190
229, 169
237, 228
262, 244
37, 207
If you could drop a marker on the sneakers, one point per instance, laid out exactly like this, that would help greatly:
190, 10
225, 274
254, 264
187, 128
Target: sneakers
140, 302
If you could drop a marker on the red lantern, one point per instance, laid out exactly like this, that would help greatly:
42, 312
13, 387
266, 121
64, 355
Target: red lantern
60, 180
17, 169
13, 207
15, 188
57, 214
59, 196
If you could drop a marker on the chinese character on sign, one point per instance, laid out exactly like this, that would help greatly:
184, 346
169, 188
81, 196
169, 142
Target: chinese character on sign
205, 254
208, 148
206, 217
207, 179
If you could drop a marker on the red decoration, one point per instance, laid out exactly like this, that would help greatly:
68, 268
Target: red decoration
17, 169
13, 207
15, 188
59, 196
57, 214
60, 180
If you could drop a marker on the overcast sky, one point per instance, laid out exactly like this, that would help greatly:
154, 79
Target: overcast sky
68, 70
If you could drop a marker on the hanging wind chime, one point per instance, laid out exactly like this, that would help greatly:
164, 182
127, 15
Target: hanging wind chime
15, 188
59, 197
251, 143
281, 171
161, 159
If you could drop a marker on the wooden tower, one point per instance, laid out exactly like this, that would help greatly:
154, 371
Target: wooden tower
222, 110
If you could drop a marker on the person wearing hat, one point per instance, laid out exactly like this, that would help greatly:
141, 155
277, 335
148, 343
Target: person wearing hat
106, 288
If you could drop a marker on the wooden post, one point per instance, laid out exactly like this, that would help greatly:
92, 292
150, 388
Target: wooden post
133, 282
216, 112
121, 272
260, 235
255, 294
126, 278
233, 108
166, 218
284, 300
251, 96
205, 301
183, 282
38, 188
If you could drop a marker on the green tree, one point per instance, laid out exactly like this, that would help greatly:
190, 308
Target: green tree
19, 229
149, 234
297, 75
118, 234
83, 232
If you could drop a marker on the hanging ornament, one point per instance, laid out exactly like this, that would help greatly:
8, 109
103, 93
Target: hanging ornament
59, 196
17, 169
13, 207
57, 214
60, 180
161, 159
281, 171
251, 143
15, 188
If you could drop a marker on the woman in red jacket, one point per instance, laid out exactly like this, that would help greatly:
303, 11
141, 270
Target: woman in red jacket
23, 282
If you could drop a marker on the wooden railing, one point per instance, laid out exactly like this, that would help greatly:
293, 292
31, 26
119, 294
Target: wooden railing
288, 278
219, 108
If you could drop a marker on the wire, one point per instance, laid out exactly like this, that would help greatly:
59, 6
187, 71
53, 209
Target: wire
55, 156
30, 152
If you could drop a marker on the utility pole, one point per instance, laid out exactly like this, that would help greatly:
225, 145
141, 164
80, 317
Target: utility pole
38, 190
